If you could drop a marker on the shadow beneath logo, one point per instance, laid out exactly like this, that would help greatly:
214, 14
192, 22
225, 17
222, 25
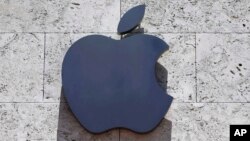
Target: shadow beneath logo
69, 129
138, 30
161, 133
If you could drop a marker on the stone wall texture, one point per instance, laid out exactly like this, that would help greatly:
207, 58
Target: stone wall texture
206, 69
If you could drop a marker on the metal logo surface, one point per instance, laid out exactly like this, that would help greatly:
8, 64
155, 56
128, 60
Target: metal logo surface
111, 83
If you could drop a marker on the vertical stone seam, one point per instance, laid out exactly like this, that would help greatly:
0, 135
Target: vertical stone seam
196, 84
120, 9
44, 49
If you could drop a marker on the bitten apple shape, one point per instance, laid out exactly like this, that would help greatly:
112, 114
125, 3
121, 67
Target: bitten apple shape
111, 83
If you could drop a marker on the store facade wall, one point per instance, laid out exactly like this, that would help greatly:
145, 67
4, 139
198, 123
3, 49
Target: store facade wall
206, 69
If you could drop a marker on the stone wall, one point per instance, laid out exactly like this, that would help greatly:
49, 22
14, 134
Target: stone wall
206, 70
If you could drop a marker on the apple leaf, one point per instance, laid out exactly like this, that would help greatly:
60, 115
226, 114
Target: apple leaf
131, 19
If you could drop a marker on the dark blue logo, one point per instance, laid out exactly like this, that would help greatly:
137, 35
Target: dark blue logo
111, 83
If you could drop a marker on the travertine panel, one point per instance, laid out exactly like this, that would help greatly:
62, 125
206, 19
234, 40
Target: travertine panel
223, 67
193, 16
207, 121
59, 15
83, 15
21, 67
195, 122
23, 15
28, 121
179, 63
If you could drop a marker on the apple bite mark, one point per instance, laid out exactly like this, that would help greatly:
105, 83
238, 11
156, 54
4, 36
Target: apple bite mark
112, 84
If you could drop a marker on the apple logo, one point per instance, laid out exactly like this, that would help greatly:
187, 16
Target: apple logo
112, 83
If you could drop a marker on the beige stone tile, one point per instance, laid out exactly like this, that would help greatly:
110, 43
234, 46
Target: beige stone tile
195, 122
83, 15
222, 16
59, 15
21, 67
23, 15
45, 121
28, 121
179, 61
165, 15
223, 67
193, 15
207, 121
